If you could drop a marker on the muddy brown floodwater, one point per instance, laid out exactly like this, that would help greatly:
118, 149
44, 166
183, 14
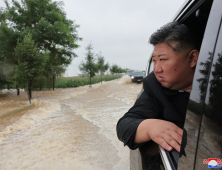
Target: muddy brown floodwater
71, 128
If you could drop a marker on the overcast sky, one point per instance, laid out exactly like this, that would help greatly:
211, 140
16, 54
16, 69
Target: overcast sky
120, 29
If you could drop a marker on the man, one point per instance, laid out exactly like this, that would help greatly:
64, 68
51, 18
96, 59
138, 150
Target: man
159, 113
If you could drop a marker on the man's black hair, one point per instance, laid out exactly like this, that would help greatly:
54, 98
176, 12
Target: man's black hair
174, 31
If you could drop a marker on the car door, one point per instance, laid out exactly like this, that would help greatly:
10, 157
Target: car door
204, 115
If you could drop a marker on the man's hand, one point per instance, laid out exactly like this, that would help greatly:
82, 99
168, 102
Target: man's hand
164, 133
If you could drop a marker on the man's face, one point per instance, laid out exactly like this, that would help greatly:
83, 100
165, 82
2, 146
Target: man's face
172, 69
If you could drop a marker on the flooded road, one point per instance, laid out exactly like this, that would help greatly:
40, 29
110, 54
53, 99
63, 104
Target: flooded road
66, 129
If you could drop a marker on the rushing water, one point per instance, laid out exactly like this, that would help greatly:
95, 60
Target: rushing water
66, 128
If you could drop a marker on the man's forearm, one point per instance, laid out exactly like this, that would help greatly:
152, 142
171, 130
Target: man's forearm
142, 134
164, 133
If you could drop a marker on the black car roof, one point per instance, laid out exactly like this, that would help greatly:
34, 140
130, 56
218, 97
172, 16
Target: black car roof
185, 8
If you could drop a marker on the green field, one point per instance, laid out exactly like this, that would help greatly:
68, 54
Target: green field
66, 82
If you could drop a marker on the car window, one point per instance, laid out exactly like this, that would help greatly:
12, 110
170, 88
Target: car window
151, 157
210, 137
197, 96
137, 73
151, 66
129, 72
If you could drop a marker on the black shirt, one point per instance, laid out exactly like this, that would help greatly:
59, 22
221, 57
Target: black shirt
155, 102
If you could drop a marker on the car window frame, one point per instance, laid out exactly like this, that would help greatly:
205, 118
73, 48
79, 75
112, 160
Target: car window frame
149, 64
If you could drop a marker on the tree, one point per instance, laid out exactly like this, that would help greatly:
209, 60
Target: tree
7, 56
6, 74
50, 29
90, 66
53, 71
102, 67
3, 80
120, 70
113, 69
31, 63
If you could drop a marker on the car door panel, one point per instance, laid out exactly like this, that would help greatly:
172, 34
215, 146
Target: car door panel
210, 137
196, 105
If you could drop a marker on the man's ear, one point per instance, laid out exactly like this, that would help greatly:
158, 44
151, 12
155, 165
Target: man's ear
193, 57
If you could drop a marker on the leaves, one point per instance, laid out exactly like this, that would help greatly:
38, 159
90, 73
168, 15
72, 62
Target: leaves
53, 34
31, 62
89, 67
102, 67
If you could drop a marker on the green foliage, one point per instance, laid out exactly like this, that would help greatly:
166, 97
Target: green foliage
121, 70
31, 63
102, 67
48, 24
6, 75
56, 70
89, 67
78, 81
40, 82
114, 69
51, 31
2, 75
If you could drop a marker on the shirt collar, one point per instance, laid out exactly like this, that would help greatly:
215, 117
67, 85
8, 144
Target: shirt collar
169, 92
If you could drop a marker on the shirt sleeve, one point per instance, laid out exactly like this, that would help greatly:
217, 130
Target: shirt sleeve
145, 107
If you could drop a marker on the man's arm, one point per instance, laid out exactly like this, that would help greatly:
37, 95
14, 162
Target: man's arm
164, 133
143, 123
144, 108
